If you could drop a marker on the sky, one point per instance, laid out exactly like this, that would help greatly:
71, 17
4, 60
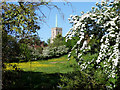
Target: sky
67, 10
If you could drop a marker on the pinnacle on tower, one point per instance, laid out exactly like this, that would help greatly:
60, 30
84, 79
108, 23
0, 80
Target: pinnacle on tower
56, 21
55, 31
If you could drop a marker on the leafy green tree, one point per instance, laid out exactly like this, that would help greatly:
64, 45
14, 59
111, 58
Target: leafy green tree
71, 43
31, 40
57, 41
25, 52
48, 41
19, 19
10, 48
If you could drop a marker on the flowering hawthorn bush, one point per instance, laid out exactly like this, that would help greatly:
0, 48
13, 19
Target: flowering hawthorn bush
101, 23
54, 51
48, 52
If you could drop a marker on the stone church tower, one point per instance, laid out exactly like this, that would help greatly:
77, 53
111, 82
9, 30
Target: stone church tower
55, 31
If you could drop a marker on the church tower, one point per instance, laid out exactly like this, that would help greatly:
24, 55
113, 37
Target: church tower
55, 31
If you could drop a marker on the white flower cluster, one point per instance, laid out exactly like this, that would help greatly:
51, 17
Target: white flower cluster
110, 42
104, 20
55, 51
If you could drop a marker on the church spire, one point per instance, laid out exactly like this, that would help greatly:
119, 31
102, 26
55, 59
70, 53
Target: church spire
56, 21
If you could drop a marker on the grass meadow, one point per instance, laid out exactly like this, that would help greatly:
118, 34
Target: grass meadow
36, 74
55, 65
40, 74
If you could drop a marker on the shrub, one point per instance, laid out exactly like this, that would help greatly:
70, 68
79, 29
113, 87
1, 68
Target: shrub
55, 51
80, 80
87, 79
25, 52
98, 31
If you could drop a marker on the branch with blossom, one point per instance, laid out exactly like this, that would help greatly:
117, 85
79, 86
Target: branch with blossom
103, 23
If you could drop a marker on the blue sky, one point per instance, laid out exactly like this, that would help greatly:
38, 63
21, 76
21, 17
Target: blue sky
67, 10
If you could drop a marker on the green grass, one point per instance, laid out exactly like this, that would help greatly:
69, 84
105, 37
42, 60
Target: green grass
55, 65
41, 74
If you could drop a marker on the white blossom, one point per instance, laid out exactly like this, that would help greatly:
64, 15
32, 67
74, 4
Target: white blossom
79, 42
97, 61
69, 19
71, 16
107, 20
79, 55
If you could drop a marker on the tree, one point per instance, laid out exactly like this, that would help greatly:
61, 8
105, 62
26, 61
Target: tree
19, 19
10, 48
31, 40
57, 41
102, 23
25, 52
71, 43
48, 41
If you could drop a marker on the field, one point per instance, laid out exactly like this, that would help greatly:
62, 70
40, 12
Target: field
55, 65
37, 74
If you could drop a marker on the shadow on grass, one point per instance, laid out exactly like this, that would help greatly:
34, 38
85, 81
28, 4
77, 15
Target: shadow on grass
17, 80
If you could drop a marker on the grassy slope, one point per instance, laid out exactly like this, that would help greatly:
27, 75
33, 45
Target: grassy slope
56, 65
39, 74
36, 74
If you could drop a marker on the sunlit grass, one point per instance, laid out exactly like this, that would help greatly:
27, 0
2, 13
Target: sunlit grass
55, 65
